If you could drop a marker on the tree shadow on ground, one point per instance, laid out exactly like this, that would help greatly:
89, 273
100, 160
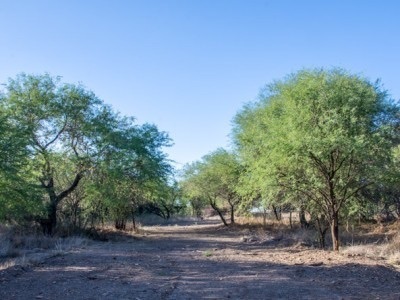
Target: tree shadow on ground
179, 266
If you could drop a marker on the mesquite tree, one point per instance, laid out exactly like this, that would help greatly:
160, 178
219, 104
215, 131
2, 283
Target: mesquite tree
64, 133
322, 134
214, 179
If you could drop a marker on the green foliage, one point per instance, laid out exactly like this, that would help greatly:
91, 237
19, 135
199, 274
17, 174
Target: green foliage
57, 121
61, 144
214, 180
131, 169
18, 195
323, 135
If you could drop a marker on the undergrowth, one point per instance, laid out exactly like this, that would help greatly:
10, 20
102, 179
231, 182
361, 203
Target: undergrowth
376, 241
22, 246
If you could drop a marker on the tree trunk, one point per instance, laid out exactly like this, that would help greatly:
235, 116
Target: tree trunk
52, 217
133, 223
55, 200
49, 224
322, 228
232, 214
277, 212
222, 217
120, 224
167, 210
335, 231
302, 217
215, 207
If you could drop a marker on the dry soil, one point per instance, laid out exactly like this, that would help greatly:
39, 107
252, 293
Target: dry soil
200, 261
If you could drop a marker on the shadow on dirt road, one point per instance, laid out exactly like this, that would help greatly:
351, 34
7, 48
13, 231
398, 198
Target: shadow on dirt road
202, 261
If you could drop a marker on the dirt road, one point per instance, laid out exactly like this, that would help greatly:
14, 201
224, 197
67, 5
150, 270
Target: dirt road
200, 262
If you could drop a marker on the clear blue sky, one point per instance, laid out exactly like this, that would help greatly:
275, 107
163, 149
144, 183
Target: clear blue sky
189, 66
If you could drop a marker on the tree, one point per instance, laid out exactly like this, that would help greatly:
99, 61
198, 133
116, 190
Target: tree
214, 178
323, 134
60, 125
383, 198
131, 169
53, 135
163, 200
59, 119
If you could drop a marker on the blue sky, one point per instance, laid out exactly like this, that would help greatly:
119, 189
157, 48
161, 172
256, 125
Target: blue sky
189, 66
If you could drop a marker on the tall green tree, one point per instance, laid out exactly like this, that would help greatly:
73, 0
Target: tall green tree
131, 169
65, 133
215, 179
57, 119
323, 134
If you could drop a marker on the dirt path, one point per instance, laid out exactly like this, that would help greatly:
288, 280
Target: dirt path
200, 262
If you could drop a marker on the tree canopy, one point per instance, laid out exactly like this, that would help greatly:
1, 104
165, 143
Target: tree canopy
214, 179
323, 134
320, 141
57, 134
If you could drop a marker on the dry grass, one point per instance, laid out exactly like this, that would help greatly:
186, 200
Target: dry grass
25, 248
380, 242
389, 251
65, 245
376, 241
280, 232
18, 247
